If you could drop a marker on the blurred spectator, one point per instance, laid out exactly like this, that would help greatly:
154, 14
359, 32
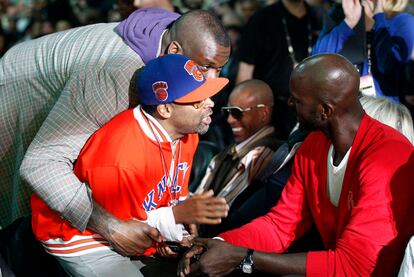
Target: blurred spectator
274, 40
189, 5
11, 32
86, 14
393, 114
62, 25
2, 42
377, 38
245, 9
162, 4
126, 7
408, 90
56, 10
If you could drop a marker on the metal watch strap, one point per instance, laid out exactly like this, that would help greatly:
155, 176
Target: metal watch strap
246, 264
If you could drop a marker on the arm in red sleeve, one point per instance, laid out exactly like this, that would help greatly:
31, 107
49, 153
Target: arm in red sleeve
288, 220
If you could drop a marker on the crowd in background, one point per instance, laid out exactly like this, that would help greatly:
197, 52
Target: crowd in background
23, 20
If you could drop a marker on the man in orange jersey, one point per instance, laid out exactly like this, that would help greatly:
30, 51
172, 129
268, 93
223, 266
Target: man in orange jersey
138, 166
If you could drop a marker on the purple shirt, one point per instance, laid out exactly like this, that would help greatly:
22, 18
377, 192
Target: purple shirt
142, 30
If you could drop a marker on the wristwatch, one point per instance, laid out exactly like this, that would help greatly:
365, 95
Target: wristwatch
246, 264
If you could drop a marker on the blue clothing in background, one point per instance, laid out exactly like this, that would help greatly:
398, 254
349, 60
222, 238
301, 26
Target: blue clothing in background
392, 46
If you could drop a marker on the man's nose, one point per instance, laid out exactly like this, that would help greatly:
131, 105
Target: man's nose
231, 119
209, 103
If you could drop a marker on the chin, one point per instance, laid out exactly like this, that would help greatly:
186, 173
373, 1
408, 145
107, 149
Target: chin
202, 130
307, 127
238, 139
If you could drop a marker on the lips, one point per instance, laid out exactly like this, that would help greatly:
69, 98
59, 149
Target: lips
206, 120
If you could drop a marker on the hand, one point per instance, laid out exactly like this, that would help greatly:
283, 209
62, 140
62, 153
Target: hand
128, 238
379, 7
202, 209
173, 249
132, 237
192, 229
220, 259
164, 251
352, 10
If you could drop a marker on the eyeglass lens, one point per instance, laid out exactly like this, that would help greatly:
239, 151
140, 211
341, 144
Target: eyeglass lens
236, 113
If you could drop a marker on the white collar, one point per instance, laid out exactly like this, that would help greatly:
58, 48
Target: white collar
151, 126
160, 43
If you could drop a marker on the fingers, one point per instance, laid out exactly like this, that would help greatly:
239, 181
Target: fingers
194, 267
201, 209
211, 212
202, 241
187, 241
154, 234
209, 221
133, 237
185, 262
183, 268
165, 251
206, 194
192, 229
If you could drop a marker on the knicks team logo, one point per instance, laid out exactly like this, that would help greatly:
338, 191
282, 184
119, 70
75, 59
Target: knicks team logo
168, 192
192, 69
160, 90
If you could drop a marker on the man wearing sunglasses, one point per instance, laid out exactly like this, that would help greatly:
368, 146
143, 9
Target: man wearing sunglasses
229, 173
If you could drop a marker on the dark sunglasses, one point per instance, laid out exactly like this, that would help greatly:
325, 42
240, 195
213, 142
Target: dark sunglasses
237, 112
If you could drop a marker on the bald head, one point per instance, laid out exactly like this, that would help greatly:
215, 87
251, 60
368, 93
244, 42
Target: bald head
324, 90
200, 36
328, 77
255, 98
255, 89
193, 27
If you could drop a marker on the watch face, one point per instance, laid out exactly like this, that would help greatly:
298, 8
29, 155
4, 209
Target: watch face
247, 268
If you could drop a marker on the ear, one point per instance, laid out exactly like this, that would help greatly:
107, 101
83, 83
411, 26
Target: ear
174, 48
266, 114
164, 111
327, 111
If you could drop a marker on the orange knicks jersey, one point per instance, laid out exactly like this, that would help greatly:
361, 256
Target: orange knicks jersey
131, 169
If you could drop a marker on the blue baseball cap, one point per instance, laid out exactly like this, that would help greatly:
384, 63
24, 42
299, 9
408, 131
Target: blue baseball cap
175, 78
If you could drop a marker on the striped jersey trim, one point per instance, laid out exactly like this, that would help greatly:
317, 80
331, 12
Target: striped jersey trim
77, 246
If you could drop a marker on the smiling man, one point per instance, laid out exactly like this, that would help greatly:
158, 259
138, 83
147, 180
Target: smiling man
249, 114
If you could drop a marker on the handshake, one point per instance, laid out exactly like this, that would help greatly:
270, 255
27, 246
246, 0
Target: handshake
133, 237
203, 208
